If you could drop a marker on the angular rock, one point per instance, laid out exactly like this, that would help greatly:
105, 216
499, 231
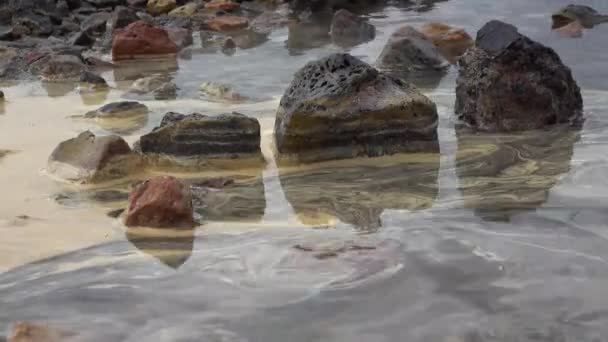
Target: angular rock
348, 29
225, 136
118, 110
141, 39
82, 39
88, 158
157, 7
187, 10
410, 52
180, 36
122, 17
585, 15
340, 107
91, 81
452, 42
222, 5
162, 202
226, 23
59, 68
508, 82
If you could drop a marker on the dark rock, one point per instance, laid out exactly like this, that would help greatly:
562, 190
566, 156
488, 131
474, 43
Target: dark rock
409, 53
96, 24
122, 17
223, 136
34, 24
119, 110
508, 82
160, 202
82, 39
347, 29
115, 213
140, 39
137, 3
74, 4
106, 3
340, 107
59, 68
92, 81
88, 158
585, 15
69, 25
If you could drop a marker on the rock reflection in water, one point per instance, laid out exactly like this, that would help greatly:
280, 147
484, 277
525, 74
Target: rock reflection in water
358, 194
58, 89
501, 175
96, 97
128, 71
172, 247
244, 200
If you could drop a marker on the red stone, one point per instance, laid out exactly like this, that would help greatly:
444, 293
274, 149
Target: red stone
141, 39
162, 202
227, 23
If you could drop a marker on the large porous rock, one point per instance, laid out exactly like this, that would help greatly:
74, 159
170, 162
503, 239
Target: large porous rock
88, 158
341, 107
409, 52
162, 202
508, 82
118, 110
226, 136
452, 42
348, 29
141, 39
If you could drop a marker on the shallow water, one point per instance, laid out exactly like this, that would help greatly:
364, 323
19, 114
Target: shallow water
497, 238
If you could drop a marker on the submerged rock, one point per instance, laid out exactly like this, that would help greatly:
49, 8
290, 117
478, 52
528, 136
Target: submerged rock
508, 82
141, 39
341, 107
118, 110
160, 87
348, 29
409, 52
452, 42
161, 202
226, 136
585, 15
91, 81
220, 91
59, 68
88, 158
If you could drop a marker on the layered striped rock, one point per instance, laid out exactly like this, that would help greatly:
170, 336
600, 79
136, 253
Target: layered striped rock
340, 107
226, 136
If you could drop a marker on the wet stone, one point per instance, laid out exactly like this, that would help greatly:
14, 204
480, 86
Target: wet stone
118, 110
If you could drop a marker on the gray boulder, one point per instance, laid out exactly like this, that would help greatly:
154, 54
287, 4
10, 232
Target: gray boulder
508, 82
226, 136
341, 107
59, 68
410, 53
348, 29
88, 158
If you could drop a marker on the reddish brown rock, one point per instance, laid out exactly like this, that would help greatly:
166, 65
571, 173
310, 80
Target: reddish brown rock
35, 332
227, 23
161, 202
223, 5
141, 39
573, 30
452, 42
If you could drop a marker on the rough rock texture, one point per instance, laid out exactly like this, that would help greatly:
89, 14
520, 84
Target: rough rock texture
347, 29
157, 7
222, 136
227, 23
508, 82
340, 107
452, 42
162, 202
88, 158
409, 52
58, 68
222, 5
142, 39
118, 110
187, 10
